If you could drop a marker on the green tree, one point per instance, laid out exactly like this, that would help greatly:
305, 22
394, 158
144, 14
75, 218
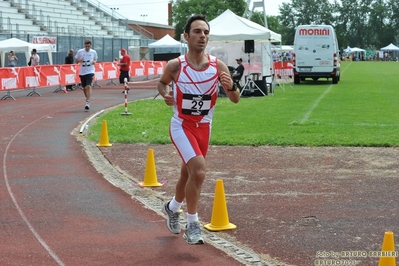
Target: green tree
272, 21
183, 9
362, 23
353, 22
304, 12
392, 7
288, 23
378, 28
257, 17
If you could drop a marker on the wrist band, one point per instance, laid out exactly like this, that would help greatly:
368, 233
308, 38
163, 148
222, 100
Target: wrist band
234, 88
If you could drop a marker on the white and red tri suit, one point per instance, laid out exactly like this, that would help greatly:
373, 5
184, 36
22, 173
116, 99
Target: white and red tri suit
195, 93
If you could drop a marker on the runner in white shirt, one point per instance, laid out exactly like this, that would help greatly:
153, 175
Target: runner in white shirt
86, 57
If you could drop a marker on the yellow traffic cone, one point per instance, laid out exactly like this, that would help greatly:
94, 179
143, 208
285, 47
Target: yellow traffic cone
220, 217
104, 142
150, 177
388, 246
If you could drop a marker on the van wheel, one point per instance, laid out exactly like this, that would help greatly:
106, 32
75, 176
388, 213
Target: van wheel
296, 80
335, 80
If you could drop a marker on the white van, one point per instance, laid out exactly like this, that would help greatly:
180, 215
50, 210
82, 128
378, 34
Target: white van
316, 53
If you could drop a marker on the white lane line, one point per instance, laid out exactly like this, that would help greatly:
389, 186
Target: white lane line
316, 103
36, 234
82, 128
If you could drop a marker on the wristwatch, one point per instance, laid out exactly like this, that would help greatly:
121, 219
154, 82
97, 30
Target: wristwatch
234, 88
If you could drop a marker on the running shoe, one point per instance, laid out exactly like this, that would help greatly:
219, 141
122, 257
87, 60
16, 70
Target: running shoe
192, 234
172, 221
87, 107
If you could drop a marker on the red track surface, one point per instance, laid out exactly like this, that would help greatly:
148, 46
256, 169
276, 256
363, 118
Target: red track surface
56, 209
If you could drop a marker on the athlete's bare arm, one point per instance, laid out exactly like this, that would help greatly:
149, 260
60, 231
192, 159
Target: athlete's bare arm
227, 82
170, 73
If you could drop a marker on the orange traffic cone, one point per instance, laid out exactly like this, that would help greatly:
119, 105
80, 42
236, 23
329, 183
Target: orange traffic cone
150, 176
104, 142
220, 217
388, 253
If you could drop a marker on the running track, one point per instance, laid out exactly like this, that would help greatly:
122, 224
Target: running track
56, 209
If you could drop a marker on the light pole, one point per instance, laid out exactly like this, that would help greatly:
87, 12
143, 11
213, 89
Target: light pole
143, 16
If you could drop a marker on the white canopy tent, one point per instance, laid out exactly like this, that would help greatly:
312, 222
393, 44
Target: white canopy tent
355, 53
390, 47
167, 43
282, 48
354, 50
227, 35
18, 45
230, 27
390, 50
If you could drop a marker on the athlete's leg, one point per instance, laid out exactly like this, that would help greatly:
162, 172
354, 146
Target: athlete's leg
87, 88
196, 175
192, 144
180, 194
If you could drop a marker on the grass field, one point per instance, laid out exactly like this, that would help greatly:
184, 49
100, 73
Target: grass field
361, 110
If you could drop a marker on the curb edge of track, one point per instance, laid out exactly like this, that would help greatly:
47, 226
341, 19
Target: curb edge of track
154, 201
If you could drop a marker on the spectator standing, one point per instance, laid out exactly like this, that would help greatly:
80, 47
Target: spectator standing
124, 65
35, 58
275, 56
69, 60
87, 58
12, 59
196, 77
285, 56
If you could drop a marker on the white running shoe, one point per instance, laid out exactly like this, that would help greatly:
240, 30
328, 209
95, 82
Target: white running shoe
192, 234
172, 221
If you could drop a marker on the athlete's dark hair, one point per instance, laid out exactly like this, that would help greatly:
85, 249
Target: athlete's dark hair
193, 18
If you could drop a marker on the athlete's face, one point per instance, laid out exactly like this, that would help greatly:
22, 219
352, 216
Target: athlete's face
87, 46
198, 36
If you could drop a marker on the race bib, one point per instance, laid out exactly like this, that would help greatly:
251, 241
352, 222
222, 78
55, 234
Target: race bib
196, 104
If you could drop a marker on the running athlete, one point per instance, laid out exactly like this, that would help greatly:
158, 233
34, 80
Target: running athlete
124, 65
87, 57
195, 77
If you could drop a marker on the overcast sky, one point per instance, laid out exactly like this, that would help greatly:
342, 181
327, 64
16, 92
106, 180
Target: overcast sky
156, 11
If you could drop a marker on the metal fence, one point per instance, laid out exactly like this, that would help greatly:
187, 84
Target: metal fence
107, 48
